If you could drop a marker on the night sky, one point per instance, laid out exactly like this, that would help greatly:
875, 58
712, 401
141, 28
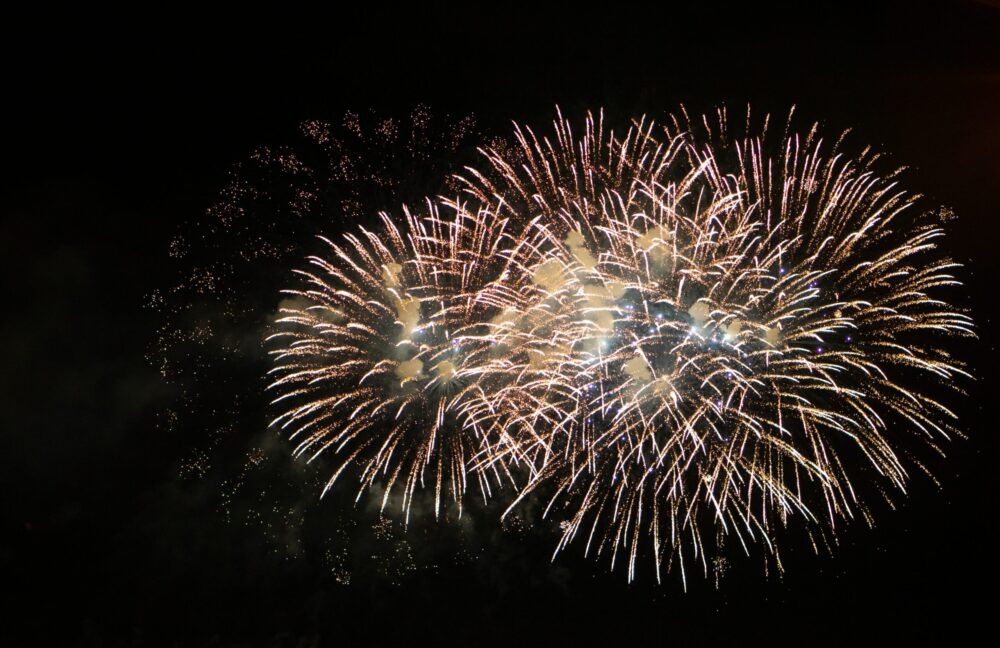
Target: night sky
129, 513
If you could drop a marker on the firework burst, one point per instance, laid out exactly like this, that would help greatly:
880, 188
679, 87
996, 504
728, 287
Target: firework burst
381, 350
679, 337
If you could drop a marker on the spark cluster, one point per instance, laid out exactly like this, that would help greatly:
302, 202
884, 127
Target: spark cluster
676, 337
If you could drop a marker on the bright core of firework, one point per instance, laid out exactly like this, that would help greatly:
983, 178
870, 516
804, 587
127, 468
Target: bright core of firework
678, 337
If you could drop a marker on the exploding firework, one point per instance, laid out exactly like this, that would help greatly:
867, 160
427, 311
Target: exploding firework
679, 337
383, 348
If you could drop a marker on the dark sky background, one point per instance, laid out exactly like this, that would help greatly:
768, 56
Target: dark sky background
114, 139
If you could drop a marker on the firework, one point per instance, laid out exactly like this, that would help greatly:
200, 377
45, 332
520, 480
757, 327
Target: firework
755, 319
381, 350
679, 337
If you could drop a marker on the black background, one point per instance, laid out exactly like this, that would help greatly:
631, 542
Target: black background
119, 127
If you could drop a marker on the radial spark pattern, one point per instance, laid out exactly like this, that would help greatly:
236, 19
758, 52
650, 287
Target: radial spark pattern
380, 350
678, 337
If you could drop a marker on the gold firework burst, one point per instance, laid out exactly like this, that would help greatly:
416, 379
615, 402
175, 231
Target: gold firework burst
680, 336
